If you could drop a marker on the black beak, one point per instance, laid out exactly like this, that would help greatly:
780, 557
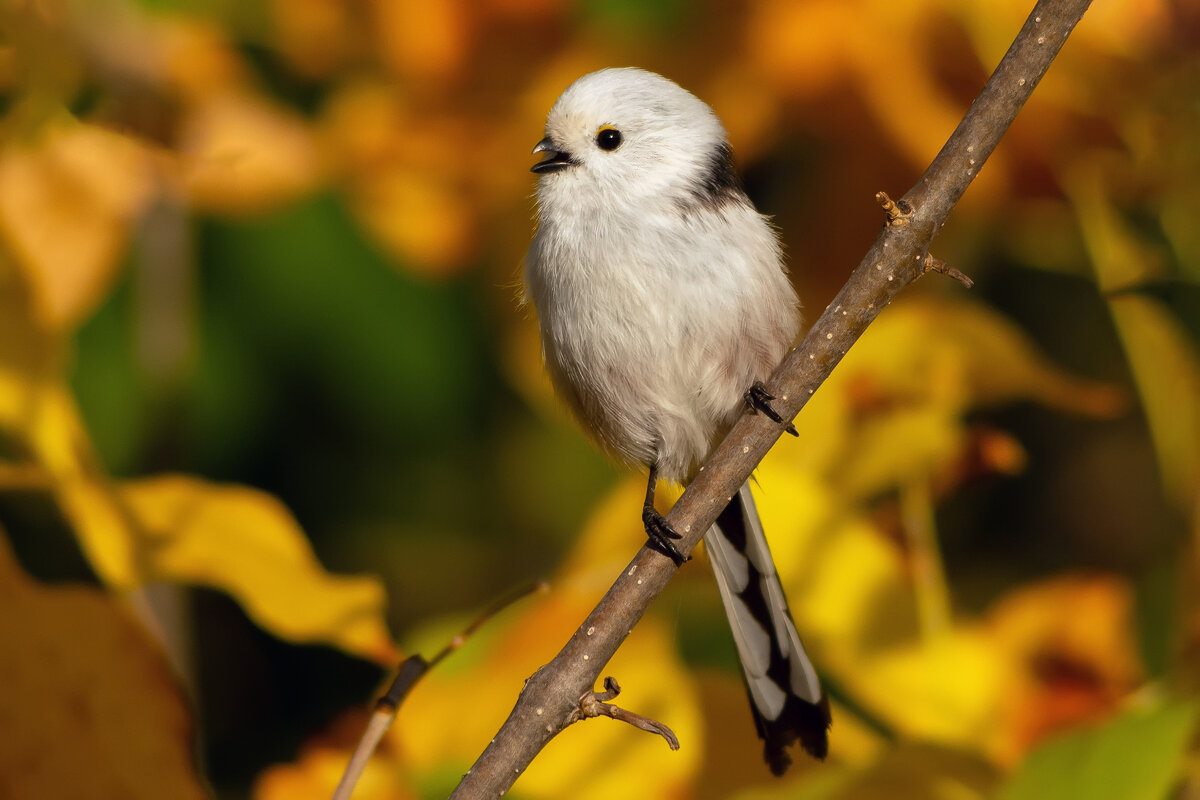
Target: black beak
556, 160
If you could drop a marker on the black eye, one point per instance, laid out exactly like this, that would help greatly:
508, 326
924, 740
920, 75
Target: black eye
608, 139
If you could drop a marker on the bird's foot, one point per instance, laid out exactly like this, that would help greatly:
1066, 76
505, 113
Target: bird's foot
759, 399
661, 536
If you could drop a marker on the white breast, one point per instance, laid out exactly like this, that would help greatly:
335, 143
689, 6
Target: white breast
654, 326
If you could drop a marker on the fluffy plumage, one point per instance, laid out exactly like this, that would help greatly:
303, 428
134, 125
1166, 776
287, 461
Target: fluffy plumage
661, 298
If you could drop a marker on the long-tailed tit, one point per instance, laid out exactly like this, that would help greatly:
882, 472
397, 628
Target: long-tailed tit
663, 303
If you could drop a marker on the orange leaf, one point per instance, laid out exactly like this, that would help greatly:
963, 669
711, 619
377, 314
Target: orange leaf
89, 709
67, 202
242, 154
1074, 636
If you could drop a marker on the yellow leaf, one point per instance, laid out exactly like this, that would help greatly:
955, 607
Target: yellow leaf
946, 688
893, 409
29, 353
246, 543
812, 537
48, 426
104, 528
898, 446
962, 352
1164, 360
89, 708
67, 203
173, 528
1166, 369
40, 415
1119, 259
852, 597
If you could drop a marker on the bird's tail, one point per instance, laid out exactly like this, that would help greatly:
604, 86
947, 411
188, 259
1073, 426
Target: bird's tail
785, 694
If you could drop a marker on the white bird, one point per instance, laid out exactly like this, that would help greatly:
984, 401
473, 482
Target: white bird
663, 304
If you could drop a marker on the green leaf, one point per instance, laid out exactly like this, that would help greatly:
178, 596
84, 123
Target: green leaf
1135, 757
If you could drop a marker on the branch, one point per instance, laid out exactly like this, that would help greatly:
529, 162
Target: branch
897, 258
412, 669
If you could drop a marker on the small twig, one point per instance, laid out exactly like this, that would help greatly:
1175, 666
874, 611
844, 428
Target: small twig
593, 704
898, 214
934, 264
495, 608
412, 669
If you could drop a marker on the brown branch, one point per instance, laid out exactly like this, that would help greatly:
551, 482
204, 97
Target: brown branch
896, 259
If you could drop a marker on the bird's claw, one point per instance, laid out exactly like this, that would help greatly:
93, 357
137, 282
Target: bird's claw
759, 399
660, 536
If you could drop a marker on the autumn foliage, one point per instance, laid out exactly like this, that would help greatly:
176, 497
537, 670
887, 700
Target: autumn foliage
271, 417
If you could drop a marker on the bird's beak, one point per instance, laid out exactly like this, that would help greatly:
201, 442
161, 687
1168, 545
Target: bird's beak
556, 160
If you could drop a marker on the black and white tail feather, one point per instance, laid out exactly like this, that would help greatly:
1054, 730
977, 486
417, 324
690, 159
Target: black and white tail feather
785, 693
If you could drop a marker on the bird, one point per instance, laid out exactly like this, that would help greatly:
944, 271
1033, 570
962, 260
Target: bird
663, 303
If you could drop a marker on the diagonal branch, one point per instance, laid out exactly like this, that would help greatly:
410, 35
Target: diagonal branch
896, 259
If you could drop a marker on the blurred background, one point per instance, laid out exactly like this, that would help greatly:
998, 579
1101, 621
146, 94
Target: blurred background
272, 416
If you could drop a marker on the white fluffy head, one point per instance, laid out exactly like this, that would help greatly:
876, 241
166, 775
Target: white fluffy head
671, 143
